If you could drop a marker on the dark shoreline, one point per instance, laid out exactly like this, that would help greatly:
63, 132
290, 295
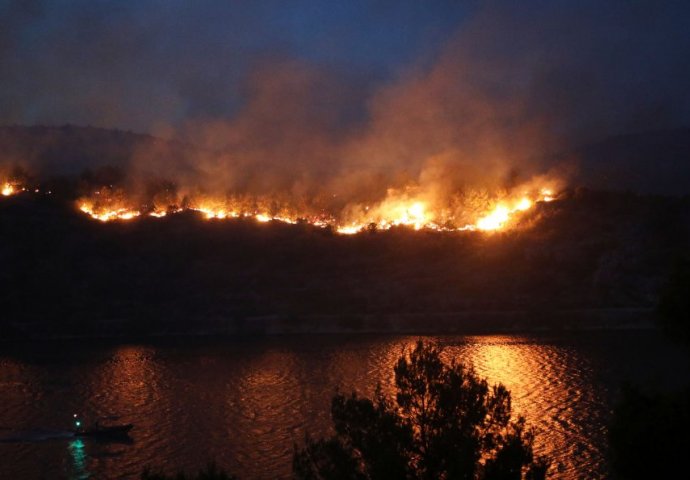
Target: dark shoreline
457, 323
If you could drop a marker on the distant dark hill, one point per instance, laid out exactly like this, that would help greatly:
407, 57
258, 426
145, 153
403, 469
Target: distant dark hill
68, 150
653, 162
649, 163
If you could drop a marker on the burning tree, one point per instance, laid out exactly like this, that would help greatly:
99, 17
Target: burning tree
445, 422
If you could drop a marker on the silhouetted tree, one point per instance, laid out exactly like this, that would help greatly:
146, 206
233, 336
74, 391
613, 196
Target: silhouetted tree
674, 303
648, 433
445, 423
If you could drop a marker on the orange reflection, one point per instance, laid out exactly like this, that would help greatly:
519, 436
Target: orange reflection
17, 391
544, 390
129, 379
268, 401
128, 386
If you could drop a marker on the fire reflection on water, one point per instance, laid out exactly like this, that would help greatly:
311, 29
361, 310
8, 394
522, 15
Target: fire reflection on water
246, 403
268, 401
129, 381
129, 387
550, 386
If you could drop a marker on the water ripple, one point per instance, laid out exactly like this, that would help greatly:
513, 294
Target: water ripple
245, 404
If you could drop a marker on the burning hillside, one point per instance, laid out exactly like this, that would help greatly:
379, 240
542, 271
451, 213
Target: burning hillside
588, 255
480, 211
147, 177
205, 240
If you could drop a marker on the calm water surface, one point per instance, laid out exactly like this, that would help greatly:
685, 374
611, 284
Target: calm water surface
245, 403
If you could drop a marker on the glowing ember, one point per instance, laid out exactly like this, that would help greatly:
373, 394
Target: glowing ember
547, 194
494, 220
524, 204
415, 216
106, 216
502, 214
349, 230
8, 189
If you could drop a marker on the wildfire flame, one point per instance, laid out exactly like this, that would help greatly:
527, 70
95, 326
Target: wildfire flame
8, 189
397, 209
412, 208
500, 215
108, 215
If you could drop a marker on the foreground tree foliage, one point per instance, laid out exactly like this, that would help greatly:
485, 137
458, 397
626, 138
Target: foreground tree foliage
211, 472
445, 423
674, 303
649, 434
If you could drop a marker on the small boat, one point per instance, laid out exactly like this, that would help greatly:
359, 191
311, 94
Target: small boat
105, 431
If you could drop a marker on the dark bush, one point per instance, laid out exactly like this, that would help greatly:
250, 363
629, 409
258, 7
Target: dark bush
445, 422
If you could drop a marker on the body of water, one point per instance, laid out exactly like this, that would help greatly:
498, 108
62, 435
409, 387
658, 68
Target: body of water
246, 403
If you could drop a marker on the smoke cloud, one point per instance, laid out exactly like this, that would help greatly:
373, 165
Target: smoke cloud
481, 106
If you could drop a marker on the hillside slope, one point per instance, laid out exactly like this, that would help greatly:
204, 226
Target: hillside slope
185, 274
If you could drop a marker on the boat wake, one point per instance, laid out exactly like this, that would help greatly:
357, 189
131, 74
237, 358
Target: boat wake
36, 436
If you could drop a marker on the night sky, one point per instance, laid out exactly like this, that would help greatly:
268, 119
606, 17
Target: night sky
153, 66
